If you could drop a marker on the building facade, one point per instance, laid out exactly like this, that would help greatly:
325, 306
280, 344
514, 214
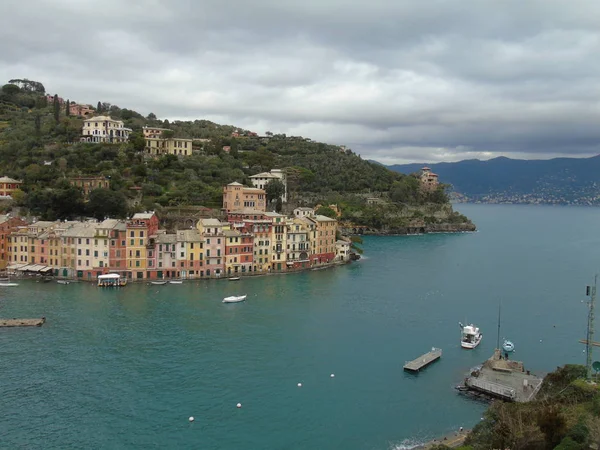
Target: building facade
88, 184
103, 129
429, 180
236, 197
260, 180
8, 186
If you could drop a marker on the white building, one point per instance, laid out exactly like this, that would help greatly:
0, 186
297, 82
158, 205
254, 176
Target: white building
260, 180
342, 250
304, 212
104, 129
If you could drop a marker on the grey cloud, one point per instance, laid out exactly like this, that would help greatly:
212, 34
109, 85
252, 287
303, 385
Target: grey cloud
395, 80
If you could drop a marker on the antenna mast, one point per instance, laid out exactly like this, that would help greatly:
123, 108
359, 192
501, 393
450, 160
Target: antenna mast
498, 342
590, 331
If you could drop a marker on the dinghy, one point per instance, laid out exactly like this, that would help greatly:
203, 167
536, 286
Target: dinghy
234, 299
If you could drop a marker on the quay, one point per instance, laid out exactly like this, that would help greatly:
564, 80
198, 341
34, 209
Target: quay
504, 379
424, 360
22, 322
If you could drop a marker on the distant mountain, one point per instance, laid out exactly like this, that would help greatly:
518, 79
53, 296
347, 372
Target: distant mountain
505, 180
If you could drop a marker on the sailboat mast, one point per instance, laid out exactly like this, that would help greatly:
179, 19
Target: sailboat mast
498, 341
590, 331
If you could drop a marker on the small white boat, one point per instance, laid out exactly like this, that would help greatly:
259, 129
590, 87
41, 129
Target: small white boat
176, 282
508, 346
470, 336
8, 284
234, 279
158, 283
234, 299
63, 281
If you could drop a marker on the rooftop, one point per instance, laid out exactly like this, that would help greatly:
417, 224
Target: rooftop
145, 215
210, 222
9, 180
264, 175
324, 218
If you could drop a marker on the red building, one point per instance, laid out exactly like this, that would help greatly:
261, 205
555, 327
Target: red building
7, 226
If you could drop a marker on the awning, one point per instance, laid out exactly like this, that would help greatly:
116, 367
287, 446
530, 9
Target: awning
15, 266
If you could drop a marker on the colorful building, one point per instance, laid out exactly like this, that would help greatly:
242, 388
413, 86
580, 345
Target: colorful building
260, 180
325, 242
88, 184
8, 225
214, 247
429, 180
236, 196
298, 245
278, 241
173, 146
80, 110
8, 186
142, 230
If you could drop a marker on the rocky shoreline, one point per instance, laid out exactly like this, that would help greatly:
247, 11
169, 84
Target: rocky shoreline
411, 229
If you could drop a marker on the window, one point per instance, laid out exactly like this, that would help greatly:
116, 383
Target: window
95, 253
182, 254
208, 253
141, 234
207, 241
141, 242
137, 253
137, 264
132, 242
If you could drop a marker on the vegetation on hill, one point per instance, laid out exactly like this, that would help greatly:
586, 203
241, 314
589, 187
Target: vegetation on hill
565, 416
39, 144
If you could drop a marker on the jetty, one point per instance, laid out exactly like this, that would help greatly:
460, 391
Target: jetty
451, 440
424, 360
502, 378
22, 322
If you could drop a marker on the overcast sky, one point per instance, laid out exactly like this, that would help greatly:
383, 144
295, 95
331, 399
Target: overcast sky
397, 81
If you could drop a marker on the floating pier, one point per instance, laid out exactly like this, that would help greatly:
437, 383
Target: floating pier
424, 360
22, 322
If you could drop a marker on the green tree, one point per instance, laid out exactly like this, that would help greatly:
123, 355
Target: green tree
137, 140
278, 205
274, 189
167, 134
326, 211
68, 108
11, 89
99, 108
56, 108
104, 203
151, 116
356, 241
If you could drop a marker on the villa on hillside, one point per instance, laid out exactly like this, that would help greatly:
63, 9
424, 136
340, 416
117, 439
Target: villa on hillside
103, 129
8, 186
88, 184
236, 196
157, 145
80, 110
260, 180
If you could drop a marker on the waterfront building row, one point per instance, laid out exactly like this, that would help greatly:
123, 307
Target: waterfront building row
249, 241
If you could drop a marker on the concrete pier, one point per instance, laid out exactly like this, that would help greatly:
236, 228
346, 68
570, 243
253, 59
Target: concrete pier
424, 360
504, 379
22, 322
452, 440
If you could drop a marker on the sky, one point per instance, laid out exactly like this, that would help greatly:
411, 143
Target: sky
396, 81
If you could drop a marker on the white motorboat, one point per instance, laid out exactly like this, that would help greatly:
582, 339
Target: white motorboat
8, 284
234, 279
63, 281
176, 282
158, 283
470, 336
234, 299
508, 346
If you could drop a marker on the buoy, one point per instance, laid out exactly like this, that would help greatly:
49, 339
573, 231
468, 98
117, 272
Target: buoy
332, 375
299, 384
239, 405
191, 419
540, 340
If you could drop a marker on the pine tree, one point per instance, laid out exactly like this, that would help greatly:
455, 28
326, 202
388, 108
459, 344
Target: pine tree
56, 108
99, 107
68, 108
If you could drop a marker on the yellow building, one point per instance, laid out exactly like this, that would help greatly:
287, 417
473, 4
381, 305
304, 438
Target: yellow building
278, 241
190, 253
140, 229
157, 146
325, 242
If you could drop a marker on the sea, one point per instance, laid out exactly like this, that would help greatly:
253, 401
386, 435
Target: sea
124, 369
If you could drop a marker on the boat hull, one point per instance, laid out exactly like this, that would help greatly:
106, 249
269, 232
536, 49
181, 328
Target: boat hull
234, 299
471, 345
158, 283
8, 284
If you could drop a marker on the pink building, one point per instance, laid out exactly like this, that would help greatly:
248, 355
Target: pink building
214, 247
80, 110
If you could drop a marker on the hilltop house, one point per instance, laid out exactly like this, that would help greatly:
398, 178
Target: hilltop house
103, 129
8, 186
236, 196
429, 180
157, 145
88, 184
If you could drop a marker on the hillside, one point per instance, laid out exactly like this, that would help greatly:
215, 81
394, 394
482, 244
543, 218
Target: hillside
39, 144
554, 181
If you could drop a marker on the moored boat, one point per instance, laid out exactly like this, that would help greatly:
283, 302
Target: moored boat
158, 283
176, 282
234, 279
63, 281
234, 299
508, 346
8, 284
470, 336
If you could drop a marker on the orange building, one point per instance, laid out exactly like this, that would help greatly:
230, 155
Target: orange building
7, 226
8, 186
80, 110
236, 196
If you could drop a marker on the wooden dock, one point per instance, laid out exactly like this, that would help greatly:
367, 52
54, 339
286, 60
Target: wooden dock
424, 360
22, 322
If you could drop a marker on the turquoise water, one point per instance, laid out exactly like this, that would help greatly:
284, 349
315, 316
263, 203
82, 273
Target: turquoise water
126, 368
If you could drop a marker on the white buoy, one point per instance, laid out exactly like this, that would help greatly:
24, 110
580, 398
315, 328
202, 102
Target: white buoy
540, 340
239, 405
191, 419
299, 384
332, 375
